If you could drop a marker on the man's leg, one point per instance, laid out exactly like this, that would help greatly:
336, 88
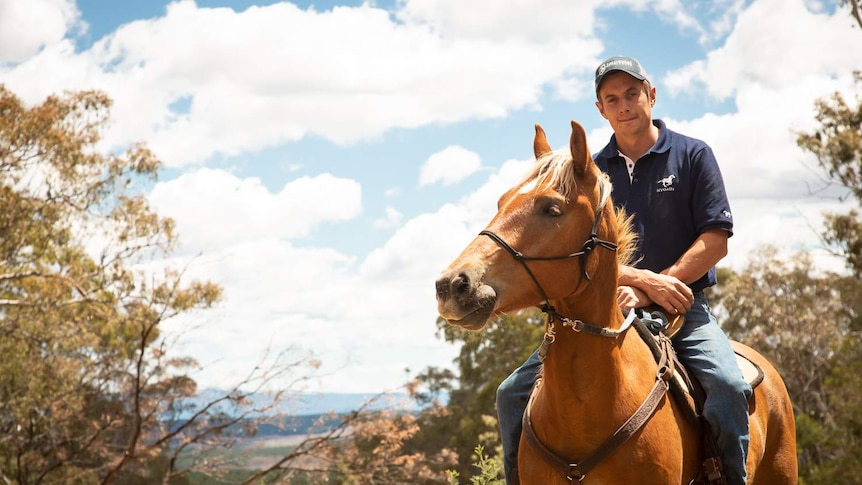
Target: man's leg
705, 350
512, 396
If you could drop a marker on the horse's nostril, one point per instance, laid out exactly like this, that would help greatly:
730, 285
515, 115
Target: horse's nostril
456, 286
461, 284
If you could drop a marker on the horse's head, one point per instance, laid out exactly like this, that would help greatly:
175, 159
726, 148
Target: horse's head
540, 245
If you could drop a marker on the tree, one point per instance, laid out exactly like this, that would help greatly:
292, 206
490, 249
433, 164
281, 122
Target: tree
486, 358
80, 328
830, 442
837, 144
377, 452
793, 316
89, 390
799, 318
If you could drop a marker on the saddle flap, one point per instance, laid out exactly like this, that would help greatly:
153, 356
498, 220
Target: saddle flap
751, 372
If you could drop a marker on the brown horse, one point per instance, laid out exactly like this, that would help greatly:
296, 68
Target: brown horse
530, 254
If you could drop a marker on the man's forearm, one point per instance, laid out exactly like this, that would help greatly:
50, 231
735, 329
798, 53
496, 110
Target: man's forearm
708, 249
631, 276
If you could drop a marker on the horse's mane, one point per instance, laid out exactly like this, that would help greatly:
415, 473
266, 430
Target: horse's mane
555, 170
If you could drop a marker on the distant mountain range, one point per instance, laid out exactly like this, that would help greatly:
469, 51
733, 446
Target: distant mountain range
297, 413
313, 404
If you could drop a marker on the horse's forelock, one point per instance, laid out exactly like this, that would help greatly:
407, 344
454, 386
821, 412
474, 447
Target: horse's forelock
553, 170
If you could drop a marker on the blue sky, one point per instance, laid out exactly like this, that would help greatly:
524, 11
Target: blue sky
324, 161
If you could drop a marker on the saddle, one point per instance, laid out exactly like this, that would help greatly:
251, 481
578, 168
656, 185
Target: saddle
653, 326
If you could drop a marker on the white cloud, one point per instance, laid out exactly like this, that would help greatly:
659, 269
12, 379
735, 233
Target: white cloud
723, 16
392, 219
537, 21
791, 227
449, 166
213, 208
275, 74
392, 192
366, 323
365, 320
675, 13
763, 50
27, 27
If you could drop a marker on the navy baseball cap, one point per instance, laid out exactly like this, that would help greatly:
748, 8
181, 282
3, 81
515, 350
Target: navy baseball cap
628, 65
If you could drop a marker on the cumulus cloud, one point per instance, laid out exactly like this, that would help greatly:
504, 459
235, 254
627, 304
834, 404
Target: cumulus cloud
200, 81
391, 219
773, 185
486, 20
27, 27
213, 208
773, 57
367, 320
277, 73
449, 166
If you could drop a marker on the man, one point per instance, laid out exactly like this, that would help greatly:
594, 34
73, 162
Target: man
672, 186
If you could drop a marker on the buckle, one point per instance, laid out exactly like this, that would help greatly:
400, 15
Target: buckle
574, 473
576, 325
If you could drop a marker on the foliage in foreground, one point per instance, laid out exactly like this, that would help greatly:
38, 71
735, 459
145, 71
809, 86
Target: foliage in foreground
89, 390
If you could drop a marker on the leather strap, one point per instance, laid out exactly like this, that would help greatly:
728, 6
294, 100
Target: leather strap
578, 470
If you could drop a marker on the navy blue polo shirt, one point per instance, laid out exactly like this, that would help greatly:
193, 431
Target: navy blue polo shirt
675, 194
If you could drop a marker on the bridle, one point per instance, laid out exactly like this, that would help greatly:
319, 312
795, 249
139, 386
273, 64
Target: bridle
587, 248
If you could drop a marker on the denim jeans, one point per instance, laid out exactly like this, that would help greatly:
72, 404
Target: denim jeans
704, 349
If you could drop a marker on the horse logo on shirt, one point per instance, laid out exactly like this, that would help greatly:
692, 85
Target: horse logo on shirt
666, 184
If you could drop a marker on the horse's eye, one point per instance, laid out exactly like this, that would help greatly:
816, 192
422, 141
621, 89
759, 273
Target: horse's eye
554, 210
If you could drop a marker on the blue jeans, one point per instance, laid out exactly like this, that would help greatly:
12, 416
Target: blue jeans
704, 349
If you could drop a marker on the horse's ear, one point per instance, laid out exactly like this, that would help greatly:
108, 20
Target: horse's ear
540, 143
580, 152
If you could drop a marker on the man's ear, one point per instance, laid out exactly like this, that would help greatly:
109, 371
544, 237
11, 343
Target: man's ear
601, 109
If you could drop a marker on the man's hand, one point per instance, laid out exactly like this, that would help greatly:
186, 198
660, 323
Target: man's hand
665, 290
629, 297
668, 292
669, 289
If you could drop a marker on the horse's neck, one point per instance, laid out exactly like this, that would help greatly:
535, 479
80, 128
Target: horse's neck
584, 368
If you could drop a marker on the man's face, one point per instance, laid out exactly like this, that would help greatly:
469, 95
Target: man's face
625, 104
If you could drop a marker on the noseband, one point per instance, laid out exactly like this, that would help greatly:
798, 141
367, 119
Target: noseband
586, 249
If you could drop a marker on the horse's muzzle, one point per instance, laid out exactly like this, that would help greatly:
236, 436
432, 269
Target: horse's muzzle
463, 300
